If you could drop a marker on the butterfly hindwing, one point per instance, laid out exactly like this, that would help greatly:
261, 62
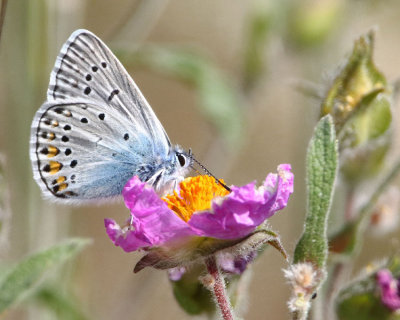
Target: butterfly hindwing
81, 151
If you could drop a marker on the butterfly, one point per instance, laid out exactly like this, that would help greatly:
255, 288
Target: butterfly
96, 130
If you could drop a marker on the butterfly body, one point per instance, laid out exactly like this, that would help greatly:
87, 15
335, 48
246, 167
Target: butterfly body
96, 130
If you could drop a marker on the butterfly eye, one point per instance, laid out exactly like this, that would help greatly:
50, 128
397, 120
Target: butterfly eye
181, 159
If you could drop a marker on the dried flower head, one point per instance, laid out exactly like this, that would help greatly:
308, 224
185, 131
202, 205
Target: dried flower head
303, 279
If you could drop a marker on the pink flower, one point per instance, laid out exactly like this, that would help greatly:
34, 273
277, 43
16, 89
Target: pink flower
203, 215
390, 289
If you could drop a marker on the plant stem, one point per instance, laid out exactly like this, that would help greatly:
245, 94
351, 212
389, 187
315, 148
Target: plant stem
299, 315
218, 288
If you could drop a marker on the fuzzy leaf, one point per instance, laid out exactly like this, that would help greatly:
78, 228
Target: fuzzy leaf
191, 294
27, 273
63, 306
322, 159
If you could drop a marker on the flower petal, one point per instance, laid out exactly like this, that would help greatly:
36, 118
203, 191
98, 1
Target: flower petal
390, 295
245, 208
128, 240
153, 222
175, 274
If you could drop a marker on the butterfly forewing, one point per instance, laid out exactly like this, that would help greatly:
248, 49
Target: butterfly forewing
86, 68
96, 129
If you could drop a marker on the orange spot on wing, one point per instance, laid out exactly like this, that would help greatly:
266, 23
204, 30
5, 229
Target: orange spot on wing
52, 151
51, 136
55, 166
61, 179
62, 186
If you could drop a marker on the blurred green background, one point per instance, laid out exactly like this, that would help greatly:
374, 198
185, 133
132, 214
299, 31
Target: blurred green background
223, 78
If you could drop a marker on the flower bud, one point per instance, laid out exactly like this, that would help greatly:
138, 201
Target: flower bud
360, 102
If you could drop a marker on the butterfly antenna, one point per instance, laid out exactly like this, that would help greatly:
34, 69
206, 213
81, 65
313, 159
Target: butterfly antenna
197, 171
208, 172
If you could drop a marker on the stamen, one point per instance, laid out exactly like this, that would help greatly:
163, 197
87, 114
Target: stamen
195, 194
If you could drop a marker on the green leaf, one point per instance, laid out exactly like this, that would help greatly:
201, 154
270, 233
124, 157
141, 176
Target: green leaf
191, 295
195, 299
27, 273
63, 306
322, 159
219, 99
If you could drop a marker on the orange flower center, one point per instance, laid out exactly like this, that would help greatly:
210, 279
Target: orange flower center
196, 194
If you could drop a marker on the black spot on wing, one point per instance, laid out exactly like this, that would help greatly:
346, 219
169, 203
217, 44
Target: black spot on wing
112, 94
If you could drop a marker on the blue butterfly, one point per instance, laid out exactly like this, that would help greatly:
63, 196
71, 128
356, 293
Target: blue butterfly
96, 130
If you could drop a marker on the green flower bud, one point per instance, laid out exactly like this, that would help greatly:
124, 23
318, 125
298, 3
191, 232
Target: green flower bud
358, 79
360, 102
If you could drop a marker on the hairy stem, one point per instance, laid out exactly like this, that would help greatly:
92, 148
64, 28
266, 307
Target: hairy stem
218, 288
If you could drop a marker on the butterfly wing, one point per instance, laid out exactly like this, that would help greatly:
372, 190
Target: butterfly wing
86, 68
96, 129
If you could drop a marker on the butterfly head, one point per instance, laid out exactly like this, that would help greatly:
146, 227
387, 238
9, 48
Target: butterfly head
184, 159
